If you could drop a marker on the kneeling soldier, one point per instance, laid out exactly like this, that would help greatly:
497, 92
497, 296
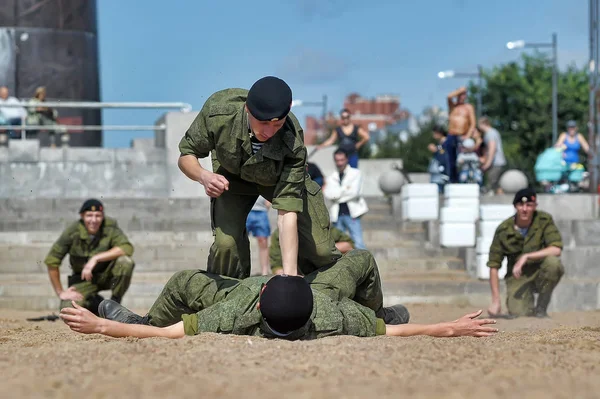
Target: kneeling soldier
532, 243
99, 254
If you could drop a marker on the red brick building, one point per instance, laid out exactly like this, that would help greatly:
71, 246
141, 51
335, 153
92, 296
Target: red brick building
377, 112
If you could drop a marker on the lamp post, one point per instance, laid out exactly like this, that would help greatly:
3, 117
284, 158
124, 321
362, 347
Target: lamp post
322, 104
519, 44
478, 75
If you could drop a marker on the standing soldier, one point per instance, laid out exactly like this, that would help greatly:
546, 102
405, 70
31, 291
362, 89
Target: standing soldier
99, 254
257, 148
532, 243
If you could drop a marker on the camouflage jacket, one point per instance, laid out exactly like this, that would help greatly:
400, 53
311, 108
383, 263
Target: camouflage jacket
509, 242
76, 242
275, 259
237, 314
276, 171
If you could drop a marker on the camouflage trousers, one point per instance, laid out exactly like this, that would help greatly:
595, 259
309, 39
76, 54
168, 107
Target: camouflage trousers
115, 277
355, 276
541, 278
230, 253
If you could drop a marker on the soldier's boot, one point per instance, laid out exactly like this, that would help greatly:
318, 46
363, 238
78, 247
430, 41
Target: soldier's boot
112, 310
543, 300
394, 315
93, 303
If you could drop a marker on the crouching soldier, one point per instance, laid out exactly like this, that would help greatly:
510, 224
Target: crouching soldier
533, 245
99, 254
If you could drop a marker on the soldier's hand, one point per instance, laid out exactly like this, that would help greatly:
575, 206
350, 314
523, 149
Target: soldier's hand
70, 294
518, 267
470, 326
80, 319
86, 273
214, 184
494, 309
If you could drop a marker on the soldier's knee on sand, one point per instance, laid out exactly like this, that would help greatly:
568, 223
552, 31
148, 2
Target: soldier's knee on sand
123, 266
552, 267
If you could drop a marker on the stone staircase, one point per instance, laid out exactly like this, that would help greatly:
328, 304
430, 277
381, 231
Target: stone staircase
172, 235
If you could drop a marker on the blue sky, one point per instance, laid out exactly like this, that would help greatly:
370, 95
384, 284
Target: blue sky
188, 49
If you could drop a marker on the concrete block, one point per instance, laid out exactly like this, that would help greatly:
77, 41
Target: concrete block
145, 156
420, 190
586, 232
575, 295
487, 228
143, 144
561, 207
425, 208
461, 190
90, 155
3, 154
483, 271
496, 212
457, 214
457, 234
581, 262
23, 150
53, 154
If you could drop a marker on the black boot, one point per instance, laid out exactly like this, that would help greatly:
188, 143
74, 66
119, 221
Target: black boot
117, 299
112, 310
543, 300
394, 315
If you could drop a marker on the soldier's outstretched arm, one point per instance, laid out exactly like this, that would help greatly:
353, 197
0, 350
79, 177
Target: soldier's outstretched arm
83, 321
466, 326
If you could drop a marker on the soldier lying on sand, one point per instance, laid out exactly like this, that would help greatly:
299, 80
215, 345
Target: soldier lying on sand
343, 299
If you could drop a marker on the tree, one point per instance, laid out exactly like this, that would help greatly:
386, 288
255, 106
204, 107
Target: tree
413, 151
517, 97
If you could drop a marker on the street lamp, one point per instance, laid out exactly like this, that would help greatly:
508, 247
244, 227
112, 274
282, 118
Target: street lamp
452, 74
519, 44
322, 104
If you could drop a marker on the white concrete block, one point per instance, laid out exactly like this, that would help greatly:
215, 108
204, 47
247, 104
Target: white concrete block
420, 190
459, 214
483, 272
420, 208
496, 212
457, 234
461, 190
483, 245
487, 228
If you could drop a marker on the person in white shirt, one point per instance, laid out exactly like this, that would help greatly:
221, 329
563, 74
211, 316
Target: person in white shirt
11, 116
344, 189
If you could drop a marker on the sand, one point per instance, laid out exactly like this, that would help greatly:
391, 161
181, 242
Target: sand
532, 358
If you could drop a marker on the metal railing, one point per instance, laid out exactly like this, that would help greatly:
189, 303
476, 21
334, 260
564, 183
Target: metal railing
62, 128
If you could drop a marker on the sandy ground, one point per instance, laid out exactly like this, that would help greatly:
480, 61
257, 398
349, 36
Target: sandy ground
532, 358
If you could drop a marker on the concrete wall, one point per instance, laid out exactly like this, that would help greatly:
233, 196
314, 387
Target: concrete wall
28, 171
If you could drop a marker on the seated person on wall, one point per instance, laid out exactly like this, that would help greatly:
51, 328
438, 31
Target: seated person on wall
533, 245
99, 254
343, 243
343, 299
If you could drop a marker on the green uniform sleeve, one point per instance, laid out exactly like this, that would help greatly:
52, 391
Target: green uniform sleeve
551, 235
340, 236
198, 140
275, 259
380, 327
496, 255
288, 191
190, 324
119, 239
59, 249
344, 317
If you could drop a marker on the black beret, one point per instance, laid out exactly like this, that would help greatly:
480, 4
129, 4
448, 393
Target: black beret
525, 195
269, 99
286, 304
91, 205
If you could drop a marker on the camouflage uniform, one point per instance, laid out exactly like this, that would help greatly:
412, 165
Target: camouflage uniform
304, 265
277, 172
77, 243
347, 297
539, 276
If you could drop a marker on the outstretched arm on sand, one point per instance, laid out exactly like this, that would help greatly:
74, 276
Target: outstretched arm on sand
466, 326
81, 320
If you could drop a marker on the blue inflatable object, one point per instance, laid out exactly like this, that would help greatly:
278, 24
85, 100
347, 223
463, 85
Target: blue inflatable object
549, 165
